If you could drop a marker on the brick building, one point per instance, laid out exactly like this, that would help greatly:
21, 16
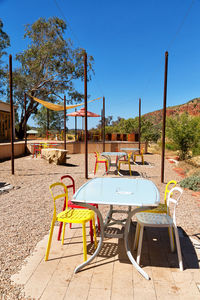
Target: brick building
5, 121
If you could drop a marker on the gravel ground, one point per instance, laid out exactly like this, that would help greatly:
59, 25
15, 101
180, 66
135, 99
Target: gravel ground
26, 210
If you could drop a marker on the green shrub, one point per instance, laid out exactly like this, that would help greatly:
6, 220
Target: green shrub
192, 183
196, 150
70, 137
184, 132
170, 147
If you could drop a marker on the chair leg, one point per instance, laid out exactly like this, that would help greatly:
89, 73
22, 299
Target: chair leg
95, 168
106, 166
130, 169
142, 157
178, 248
84, 242
140, 244
97, 165
91, 232
94, 230
63, 233
99, 228
60, 230
61, 223
49, 241
137, 232
118, 166
171, 238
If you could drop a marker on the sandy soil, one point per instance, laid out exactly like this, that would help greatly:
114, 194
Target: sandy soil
26, 210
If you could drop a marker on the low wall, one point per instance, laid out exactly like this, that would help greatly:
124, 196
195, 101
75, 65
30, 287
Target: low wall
78, 147
72, 147
5, 150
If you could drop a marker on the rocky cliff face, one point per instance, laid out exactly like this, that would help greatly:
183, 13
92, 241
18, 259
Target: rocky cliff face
192, 107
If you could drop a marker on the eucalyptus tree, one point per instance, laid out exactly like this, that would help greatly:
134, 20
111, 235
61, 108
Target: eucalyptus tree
4, 43
48, 67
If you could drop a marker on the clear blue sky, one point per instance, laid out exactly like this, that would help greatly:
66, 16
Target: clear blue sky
128, 40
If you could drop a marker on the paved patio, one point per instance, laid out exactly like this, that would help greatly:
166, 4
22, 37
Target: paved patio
110, 275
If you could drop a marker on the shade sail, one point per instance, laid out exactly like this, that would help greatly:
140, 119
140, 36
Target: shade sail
81, 113
58, 107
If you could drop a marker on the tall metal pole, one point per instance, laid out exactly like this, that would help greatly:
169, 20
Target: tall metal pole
47, 134
101, 129
139, 132
85, 91
25, 135
11, 114
103, 124
164, 119
75, 127
64, 122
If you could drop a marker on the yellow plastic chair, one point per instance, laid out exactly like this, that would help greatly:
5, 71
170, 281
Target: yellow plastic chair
126, 161
139, 154
80, 216
160, 209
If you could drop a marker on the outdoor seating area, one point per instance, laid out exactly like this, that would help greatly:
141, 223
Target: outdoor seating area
100, 167
36, 148
108, 268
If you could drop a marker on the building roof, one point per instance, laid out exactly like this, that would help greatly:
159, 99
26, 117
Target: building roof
4, 106
31, 131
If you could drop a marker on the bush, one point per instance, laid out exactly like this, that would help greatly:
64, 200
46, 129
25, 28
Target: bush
170, 147
196, 150
192, 183
70, 137
184, 132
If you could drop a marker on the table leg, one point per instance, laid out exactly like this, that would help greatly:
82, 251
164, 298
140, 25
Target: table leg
109, 214
100, 244
127, 247
118, 157
109, 163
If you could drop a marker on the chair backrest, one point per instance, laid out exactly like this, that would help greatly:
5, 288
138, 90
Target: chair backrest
57, 193
167, 189
71, 185
129, 156
97, 155
44, 145
177, 192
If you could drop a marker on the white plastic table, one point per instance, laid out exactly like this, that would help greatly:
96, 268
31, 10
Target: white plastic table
142, 193
108, 155
130, 150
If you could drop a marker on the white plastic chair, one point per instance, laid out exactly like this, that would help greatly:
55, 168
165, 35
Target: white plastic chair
160, 220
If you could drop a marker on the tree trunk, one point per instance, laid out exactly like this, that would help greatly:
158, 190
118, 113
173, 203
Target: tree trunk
21, 131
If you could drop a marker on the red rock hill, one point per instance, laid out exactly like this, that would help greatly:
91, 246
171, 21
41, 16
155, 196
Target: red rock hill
192, 107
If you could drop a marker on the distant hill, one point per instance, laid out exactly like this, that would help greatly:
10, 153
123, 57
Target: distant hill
192, 107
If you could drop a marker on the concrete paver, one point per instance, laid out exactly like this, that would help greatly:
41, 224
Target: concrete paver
108, 277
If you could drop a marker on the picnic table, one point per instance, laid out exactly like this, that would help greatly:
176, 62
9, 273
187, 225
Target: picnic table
141, 193
54, 155
108, 155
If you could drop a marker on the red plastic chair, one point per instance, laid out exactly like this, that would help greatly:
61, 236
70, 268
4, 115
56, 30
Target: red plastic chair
72, 205
36, 150
100, 160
